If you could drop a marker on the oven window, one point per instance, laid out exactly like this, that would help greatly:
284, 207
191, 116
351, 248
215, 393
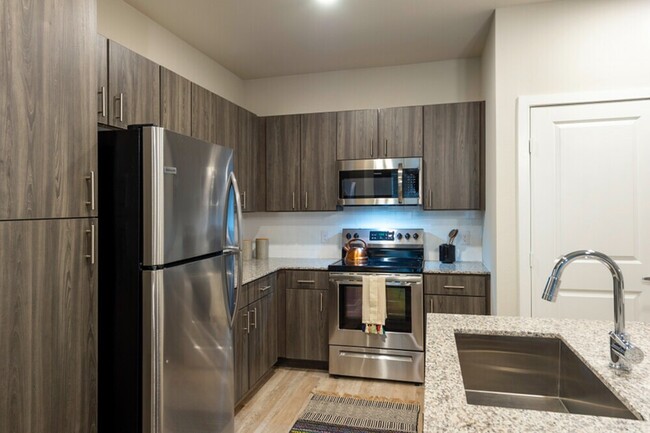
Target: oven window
398, 308
368, 184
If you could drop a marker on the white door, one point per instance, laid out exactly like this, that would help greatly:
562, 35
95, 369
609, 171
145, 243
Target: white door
590, 189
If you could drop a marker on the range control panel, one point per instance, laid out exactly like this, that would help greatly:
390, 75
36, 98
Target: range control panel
385, 237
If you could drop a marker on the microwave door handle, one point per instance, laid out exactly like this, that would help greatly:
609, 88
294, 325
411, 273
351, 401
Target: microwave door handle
400, 183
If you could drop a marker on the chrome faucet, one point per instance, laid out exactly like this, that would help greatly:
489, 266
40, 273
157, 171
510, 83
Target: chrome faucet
622, 351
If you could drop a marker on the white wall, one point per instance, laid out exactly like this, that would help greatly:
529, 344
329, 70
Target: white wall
124, 24
545, 48
300, 234
418, 84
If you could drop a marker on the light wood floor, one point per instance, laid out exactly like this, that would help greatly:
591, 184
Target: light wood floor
276, 406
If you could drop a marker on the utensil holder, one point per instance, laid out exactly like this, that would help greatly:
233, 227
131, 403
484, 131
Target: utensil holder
447, 253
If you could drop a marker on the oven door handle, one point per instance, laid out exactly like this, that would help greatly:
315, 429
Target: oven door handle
388, 283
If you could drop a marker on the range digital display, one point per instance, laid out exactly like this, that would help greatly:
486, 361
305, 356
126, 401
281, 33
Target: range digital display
382, 236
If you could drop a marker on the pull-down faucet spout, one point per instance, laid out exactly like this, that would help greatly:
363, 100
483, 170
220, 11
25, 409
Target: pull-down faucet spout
622, 351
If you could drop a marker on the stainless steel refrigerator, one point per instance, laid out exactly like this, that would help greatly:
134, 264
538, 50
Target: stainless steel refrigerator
169, 269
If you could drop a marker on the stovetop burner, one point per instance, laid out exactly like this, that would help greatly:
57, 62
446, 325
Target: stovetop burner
398, 251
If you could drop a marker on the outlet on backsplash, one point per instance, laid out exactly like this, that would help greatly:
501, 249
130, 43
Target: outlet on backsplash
466, 238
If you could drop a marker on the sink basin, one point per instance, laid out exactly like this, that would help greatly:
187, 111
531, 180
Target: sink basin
533, 373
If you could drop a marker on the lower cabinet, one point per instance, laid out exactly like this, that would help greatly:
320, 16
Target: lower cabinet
306, 329
456, 294
255, 334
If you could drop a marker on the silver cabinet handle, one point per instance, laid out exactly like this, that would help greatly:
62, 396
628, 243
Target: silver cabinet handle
430, 198
306, 282
293, 200
430, 305
102, 93
248, 323
91, 180
255, 317
306, 200
454, 287
321, 302
264, 289
244, 204
372, 144
646, 278
91, 256
120, 115
386, 148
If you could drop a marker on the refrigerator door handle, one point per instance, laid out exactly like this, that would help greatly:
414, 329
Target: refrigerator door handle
236, 249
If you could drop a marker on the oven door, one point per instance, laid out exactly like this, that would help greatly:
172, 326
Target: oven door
404, 308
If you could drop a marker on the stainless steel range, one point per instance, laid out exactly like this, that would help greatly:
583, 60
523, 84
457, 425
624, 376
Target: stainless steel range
396, 254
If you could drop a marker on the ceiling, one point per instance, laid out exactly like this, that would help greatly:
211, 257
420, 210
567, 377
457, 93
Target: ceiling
266, 38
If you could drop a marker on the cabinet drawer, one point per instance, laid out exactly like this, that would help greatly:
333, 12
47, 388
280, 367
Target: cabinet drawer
307, 280
455, 304
261, 287
456, 285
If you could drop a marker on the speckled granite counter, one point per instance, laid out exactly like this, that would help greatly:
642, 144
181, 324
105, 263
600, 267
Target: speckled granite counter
445, 405
254, 269
476, 268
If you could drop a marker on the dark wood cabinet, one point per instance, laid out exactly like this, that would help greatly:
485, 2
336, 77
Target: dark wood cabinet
454, 143
255, 340
48, 326
101, 62
251, 163
283, 163
306, 319
228, 125
318, 173
457, 293
399, 132
175, 102
47, 108
134, 88
204, 114
356, 134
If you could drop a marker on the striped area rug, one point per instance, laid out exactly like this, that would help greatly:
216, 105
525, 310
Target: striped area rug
332, 414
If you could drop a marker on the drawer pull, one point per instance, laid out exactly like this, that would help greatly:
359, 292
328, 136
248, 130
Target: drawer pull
430, 305
264, 289
306, 282
321, 302
454, 287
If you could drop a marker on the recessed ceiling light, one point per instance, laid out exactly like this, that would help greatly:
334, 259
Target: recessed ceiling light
327, 2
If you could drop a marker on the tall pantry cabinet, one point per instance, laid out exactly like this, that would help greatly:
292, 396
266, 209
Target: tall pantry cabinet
48, 168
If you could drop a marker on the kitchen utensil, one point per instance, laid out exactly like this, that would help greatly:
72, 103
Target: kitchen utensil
452, 236
355, 255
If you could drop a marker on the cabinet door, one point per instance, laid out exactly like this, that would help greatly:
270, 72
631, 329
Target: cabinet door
356, 134
318, 162
453, 156
175, 102
134, 84
263, 343
400, 132
228, 126
307, 335
257, 201
48, 326
455, 304
48, 91
240, 336
204, 114
246, 156
101, 56
283, 163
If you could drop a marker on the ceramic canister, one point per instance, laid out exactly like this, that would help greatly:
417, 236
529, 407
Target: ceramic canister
261, 248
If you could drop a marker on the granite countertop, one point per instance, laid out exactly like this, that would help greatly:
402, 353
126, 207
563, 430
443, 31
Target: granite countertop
254, 269
445, 405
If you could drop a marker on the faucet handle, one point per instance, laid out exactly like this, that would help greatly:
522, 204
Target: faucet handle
621, 349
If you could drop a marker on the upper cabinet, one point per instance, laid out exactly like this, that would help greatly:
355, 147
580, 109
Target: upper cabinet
175, 102
454, 143
399, 132
204, 114
101, 62
48, 149
251, 172
356, 134
283, 163
318, 162
133, 89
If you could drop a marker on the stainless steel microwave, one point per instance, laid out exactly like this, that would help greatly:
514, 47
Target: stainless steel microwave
394, 181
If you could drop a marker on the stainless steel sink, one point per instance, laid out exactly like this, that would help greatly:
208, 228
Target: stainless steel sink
533, 373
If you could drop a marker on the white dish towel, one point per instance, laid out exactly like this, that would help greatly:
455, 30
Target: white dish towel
373, 306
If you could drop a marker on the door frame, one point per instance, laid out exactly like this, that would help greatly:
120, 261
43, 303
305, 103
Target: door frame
524, 106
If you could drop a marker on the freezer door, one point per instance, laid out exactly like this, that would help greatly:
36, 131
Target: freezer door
188, 383
185, 194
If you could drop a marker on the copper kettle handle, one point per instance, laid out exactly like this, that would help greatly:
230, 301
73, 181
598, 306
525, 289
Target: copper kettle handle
346, 247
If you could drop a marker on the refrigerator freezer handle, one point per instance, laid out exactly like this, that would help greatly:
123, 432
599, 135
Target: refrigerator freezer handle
236, 249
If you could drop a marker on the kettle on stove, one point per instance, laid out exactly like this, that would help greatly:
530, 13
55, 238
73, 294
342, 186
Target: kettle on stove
356, 255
